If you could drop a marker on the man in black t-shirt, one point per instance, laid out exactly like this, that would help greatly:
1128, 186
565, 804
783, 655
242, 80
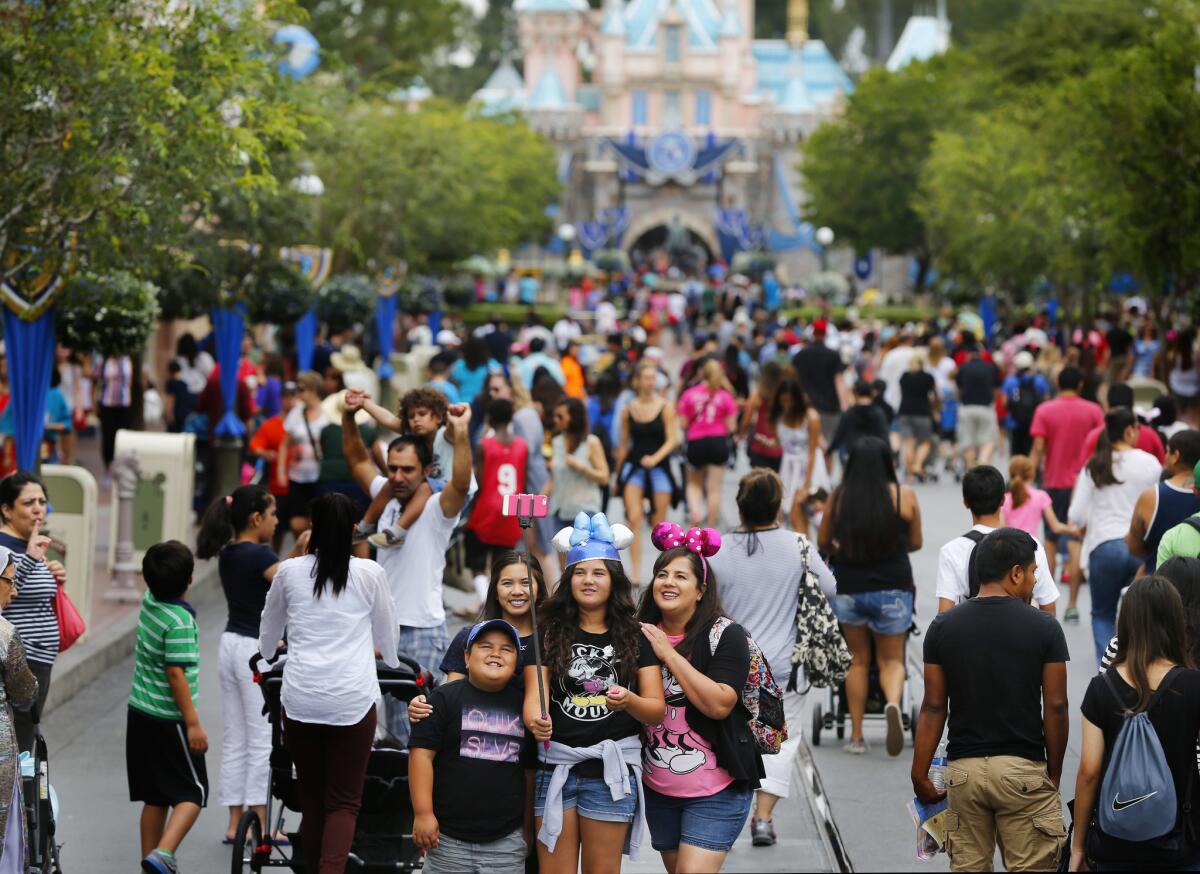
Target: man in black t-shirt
978, 391
818, 368
1000, 665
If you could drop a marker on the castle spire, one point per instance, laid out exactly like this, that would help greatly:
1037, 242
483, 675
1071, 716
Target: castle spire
797, 23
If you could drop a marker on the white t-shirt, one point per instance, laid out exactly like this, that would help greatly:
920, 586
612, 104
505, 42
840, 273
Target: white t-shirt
1106, 511
952, 571
414, 571
303, 435
330, 676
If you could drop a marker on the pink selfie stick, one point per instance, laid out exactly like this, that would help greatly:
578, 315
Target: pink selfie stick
527, 508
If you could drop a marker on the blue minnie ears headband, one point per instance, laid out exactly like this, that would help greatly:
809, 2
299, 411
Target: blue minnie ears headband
592, 537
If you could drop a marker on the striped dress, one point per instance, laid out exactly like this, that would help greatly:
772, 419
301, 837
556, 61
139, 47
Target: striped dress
32, 609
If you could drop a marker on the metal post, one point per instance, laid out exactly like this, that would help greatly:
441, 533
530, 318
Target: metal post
227, 465
126, 470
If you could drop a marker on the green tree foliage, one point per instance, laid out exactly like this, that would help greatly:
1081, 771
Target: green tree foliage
386, 43
119, 116
430, 187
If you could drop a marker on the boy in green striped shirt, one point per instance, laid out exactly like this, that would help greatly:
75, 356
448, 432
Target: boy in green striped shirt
164, 741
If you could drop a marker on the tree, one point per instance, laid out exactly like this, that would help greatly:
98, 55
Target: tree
861, 171
430, 187
386, 43
119, 116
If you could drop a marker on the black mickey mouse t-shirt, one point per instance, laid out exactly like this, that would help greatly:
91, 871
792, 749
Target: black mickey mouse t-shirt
577, 709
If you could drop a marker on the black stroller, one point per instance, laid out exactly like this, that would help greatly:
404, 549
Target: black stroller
383, 837
39, 811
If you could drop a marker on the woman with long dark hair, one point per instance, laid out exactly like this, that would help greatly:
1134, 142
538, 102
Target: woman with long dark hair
1153, 674
338, 613
1183, 372
871, 524
1105, 494
578, 468
798, 426
470, 371
759, 418
700, 764
237, 530
603, 683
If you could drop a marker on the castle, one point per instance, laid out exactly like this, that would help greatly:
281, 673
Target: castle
670, 115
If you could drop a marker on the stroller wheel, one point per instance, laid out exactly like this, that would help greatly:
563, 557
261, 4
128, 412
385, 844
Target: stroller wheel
246, 844
818, 722
841, 729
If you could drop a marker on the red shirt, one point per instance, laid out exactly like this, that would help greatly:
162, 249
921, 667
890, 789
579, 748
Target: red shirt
1147, 441
503, 474
1065, 423
269, 437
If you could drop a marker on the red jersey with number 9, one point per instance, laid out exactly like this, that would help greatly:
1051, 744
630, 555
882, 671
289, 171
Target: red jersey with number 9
503, 474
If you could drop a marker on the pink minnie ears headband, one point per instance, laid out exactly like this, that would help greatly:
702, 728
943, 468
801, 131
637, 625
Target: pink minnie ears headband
702, 541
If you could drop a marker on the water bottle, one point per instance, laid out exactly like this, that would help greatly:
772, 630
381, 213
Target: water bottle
937, 768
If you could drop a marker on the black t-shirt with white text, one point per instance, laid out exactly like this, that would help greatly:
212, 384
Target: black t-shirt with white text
992, 651
483, 751
579, 716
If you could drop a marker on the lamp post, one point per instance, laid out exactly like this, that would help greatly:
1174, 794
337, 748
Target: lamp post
825, 238
566, 233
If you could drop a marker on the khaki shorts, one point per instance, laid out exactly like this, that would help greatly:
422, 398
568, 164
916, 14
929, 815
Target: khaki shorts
976, 426
1005, 800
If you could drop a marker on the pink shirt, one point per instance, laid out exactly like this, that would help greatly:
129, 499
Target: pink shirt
1065, 424
1028, 516
1147, 442
706, 413
676, 760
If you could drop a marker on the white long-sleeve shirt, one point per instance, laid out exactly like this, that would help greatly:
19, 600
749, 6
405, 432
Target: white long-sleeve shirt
330, 674
1106, 511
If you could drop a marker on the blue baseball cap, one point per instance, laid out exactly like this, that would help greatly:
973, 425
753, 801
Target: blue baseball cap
494, 624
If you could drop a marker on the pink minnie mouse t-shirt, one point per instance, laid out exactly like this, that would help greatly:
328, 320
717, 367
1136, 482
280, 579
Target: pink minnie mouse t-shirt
706, 413
676, 760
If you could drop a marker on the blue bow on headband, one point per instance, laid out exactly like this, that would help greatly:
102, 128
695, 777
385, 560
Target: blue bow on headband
591, 528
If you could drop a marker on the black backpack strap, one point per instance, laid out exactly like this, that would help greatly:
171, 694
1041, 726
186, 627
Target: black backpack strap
972, 577
1164, 684
1194, 521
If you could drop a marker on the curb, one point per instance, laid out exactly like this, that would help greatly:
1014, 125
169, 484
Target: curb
822, 810
79, 666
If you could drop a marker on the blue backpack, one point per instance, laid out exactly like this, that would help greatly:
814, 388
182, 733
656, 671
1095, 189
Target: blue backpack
1137, 797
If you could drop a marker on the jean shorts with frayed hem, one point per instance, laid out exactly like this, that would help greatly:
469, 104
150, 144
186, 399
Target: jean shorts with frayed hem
590, 795
885, 612
709, 823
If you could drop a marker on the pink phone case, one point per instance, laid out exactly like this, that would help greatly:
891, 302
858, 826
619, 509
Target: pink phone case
529, 506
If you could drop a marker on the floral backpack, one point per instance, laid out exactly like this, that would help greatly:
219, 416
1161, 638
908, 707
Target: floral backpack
761, 694
820, 648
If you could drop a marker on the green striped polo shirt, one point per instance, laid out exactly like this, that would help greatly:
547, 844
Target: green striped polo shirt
167, 635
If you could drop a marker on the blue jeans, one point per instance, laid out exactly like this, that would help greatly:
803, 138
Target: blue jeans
505, 855
428, 647
709, 823
1110, 569
590, 795
884, 612
653, 479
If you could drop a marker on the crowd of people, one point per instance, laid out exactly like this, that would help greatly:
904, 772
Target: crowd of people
652, 670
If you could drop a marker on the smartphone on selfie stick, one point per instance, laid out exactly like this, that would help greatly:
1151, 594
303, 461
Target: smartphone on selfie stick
527, 508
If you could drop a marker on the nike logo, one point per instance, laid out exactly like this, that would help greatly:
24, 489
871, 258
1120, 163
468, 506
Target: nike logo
1119, 805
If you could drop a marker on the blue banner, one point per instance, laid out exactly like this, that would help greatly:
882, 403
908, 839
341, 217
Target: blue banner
987, 313
435, 324
385, 323
30, 348
306, 339
230, 326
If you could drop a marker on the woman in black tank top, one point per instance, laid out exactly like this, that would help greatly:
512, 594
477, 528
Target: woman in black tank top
648, 437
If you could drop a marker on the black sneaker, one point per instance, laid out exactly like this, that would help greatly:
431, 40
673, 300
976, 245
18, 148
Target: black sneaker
762, 832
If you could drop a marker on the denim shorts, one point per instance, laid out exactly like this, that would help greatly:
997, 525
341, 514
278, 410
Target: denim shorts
886, 612
660, 483
590, 795
710, 823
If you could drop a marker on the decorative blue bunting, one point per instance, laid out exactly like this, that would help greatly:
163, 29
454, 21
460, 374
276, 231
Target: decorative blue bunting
30, 348
306, 339
385, 323
230, 326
